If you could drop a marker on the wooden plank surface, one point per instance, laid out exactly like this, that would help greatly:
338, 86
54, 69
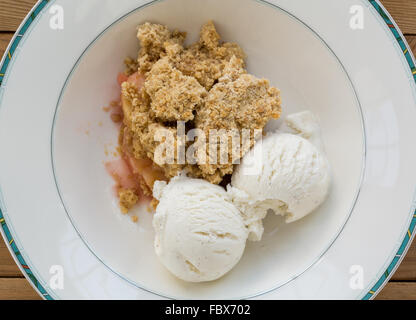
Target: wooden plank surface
407, 269
8, 267
4, 41
17, 289
404, 13
14, 286
412, 42
12, 13
398, 291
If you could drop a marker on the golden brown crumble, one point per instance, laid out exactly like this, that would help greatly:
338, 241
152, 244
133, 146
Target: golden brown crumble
206, 59
205, 85
131, 66
128, 199
153, 205
173, 95
153, 40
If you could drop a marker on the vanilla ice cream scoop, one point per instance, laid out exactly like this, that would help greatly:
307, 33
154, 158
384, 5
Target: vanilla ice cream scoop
293, 179
200, 234
306, 125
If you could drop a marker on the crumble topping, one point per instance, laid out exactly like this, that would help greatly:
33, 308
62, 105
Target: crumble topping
173, 95
128, 199
154, 38
204, 85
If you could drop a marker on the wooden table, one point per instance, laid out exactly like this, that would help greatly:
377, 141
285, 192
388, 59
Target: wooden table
14, 286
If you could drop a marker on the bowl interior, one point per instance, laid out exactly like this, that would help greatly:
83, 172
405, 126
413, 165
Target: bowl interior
279, 47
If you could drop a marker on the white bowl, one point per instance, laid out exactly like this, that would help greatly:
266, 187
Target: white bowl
309, 54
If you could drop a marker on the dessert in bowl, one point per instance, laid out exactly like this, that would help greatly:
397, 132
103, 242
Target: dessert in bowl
312, 81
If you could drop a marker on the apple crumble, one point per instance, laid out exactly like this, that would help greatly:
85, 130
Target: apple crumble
204, 87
